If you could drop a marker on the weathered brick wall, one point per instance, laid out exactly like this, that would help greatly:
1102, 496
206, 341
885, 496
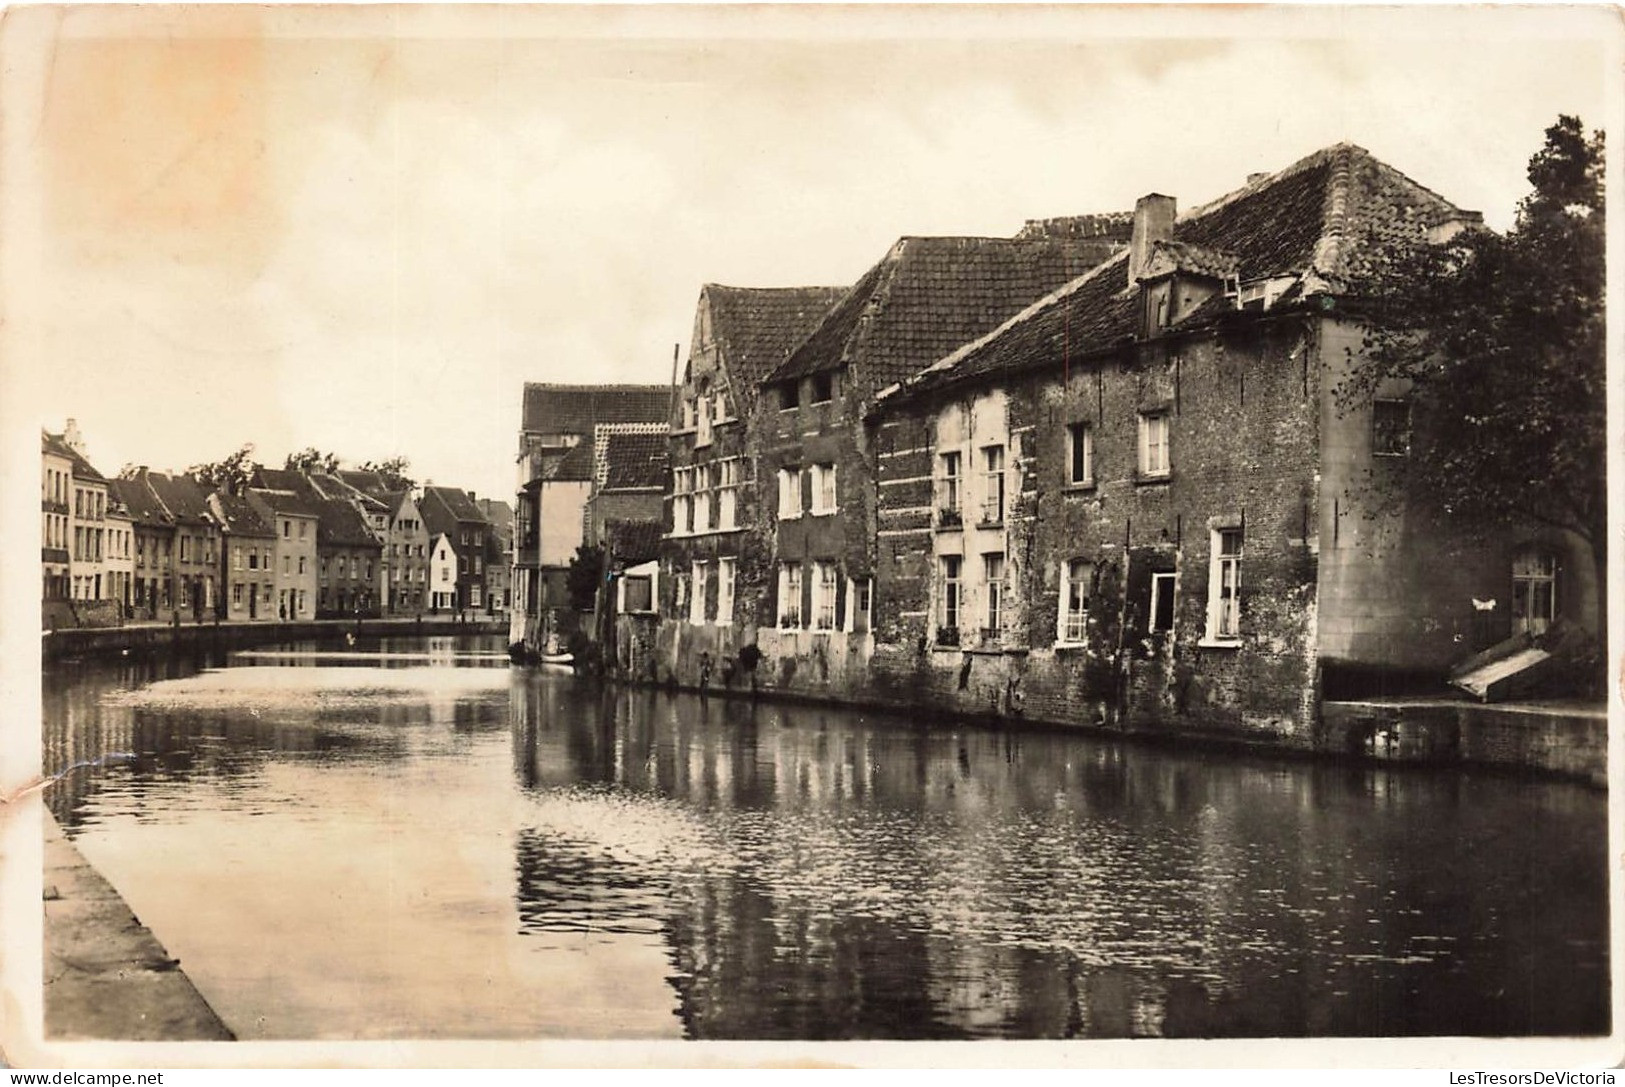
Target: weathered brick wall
1565, 741
1243, 428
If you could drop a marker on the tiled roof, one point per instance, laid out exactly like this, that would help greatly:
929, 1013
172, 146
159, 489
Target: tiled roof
632, 542
576, 409
340, 524
58, 445
632, 443
756, 327
1114, 225
457, 503
141, 500
336, 486
930, 295
1167, 257
573, 466
370, 483
238, 517
1312, 221
496, 511
183, 497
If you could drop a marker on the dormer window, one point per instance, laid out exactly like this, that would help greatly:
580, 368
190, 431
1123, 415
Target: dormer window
823, 388
789, 395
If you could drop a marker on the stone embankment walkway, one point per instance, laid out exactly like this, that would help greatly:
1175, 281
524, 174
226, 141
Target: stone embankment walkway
106, 976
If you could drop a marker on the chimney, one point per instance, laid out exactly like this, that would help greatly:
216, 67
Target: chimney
1153, 222
72, 438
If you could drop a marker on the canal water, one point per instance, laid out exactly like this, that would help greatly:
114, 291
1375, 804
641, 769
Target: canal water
412, 838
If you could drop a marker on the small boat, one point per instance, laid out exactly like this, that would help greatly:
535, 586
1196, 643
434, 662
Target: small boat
561, 660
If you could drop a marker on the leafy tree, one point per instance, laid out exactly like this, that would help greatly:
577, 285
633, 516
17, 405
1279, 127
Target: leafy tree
311, 459
231, 475
393, 472
1501, 337
582, 576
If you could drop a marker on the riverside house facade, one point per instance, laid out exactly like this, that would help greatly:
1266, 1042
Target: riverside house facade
1169, 521
279, 496
247, 548
716, 559
807, 610
555, 464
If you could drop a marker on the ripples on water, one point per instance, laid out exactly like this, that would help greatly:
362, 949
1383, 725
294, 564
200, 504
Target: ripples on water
589, 863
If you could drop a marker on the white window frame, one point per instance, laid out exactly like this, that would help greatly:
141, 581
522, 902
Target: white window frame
1224, 585
789, 616
1533, 568
702, 498
726, 569
995, 614
1072, 616
1155, 459
824, 494
1163, 581
951, 604
951, 481
993, 484
789, 494
1077, 433
825, 594
728, 493
696, 596
855, 588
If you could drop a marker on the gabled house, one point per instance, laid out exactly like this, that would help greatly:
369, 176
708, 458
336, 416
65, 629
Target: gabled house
195, 543
247, 549
86, 537
442, 573
455, 514
1184, 527
348, 562
498, 554
556, 464
816, 470
398, 524
716, 557
153, 589
288, 504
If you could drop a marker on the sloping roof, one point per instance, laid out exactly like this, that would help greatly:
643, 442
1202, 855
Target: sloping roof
927, 296
634, 460
369, 483
340, 524
238, 517
457, 503
632, 541
496, 511
57, 445
1311, 221
576, 409
1172, 256
755, 327
137, 496
335, 486
574, 465
181, 495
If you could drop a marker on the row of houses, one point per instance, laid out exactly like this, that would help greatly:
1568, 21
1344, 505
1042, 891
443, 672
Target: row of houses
1099, 471
285, 545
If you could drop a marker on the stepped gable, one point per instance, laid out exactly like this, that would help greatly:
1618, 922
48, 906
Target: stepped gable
927, 296
1311, 221
756, 327
577, 409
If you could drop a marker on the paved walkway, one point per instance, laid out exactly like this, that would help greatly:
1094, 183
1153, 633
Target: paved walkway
106, 975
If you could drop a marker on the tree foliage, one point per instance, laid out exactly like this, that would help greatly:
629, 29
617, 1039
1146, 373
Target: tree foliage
311, 459
1501, 341
231, 474
393, 472
581, 578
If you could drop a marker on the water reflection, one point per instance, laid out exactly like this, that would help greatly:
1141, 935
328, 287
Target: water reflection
474, 850
847, 875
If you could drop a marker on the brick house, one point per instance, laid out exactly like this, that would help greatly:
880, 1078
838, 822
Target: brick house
348, 561
555, 464
194, 543
284, 500
716, 563
247, 549
498, 554
456, 514
815, 468
153, 588
393, 513
1140, 502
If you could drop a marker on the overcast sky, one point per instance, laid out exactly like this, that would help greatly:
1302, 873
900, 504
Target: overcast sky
365, 229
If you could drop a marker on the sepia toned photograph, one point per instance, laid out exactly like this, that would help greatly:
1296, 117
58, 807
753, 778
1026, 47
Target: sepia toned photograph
807, 526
